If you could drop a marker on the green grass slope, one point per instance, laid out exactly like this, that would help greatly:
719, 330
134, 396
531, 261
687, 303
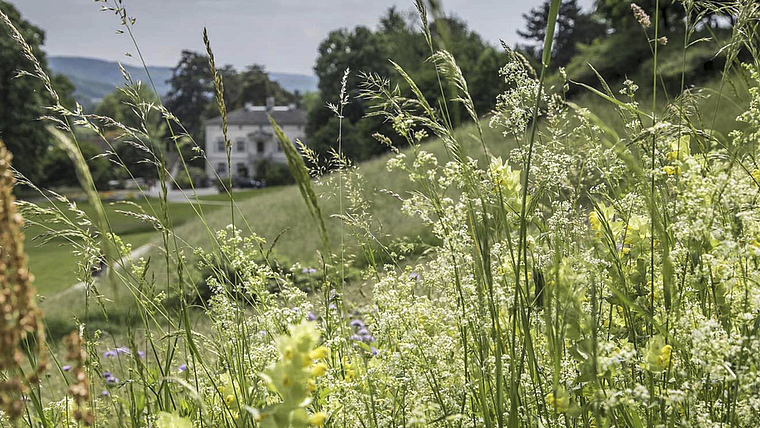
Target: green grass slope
283, 210
54, 263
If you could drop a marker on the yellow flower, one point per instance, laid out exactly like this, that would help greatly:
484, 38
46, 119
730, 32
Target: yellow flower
307, 360
658, 354
561, 402
349, 371
318, 419
593, 218
756, 175
172, 420
319, 370
288, 354
679, 149
672, 170
502, 175
319, 353
665, 354
228, 388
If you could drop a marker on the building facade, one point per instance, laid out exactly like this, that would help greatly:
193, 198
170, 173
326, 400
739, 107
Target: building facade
252, 138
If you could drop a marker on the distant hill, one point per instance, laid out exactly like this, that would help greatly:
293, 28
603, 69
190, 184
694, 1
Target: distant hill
94, 78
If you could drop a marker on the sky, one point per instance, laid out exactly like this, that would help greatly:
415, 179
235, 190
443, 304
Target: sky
283, 35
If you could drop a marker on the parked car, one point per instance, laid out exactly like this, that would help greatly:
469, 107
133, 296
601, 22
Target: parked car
247, 183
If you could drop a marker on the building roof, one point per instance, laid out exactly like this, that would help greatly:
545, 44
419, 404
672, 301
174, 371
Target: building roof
257, 115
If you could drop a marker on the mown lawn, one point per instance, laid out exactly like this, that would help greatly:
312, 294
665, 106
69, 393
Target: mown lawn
54, 263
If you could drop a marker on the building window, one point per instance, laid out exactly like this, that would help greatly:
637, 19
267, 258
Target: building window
260, 146
240, 146
221, 168
220, 146
242, 170
279, 147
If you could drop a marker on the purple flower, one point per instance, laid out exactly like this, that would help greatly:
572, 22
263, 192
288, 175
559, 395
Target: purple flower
110, 378
415, 276
310, 316
363, 332
182, 367
373, 350
141, 354
357, 323
332, 306
105, 393
356, 338
110, 353
122, 350
368, 338
309, 271
66, 368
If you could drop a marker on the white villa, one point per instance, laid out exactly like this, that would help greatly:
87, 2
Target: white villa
252, 138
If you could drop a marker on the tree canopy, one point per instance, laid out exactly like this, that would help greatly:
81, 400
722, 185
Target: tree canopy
573, 27
617, 13
22, 98
398, 38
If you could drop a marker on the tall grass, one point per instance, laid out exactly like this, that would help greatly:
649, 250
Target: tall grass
593, 276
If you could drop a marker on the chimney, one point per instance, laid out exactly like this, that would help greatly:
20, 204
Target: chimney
270, 103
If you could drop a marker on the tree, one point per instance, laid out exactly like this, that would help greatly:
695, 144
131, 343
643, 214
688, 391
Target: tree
479, 61
256, 86
618, 15
118, 105
22, 98
192, 89
573, 27
360, 50
397, 38
60, 170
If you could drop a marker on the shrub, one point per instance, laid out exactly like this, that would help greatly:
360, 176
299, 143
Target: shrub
197, 175
273, 173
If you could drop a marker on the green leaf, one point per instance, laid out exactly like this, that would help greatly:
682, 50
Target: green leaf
612, 100
549, 37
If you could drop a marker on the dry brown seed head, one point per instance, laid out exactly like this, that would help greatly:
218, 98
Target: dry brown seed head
20, 319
